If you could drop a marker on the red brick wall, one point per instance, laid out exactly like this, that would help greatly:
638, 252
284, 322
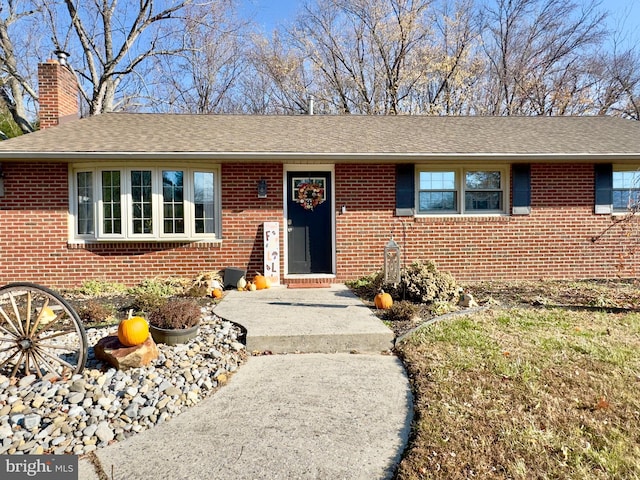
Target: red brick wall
33, 232
555, 241
57, 94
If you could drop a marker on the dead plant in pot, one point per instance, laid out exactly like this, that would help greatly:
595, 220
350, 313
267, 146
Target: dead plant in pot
175, 321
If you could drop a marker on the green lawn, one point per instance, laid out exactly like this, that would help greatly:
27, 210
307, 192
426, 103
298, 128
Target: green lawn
525, 393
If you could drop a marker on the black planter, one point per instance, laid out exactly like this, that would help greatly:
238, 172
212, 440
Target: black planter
172, 336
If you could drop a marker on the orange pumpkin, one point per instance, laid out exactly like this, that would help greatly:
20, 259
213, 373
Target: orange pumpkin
260, 281
216, 293
133, 331
383, 301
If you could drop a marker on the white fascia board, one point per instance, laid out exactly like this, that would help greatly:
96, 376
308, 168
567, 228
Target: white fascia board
306, 156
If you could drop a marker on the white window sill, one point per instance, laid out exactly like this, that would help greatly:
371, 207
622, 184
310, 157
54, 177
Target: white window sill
103, 241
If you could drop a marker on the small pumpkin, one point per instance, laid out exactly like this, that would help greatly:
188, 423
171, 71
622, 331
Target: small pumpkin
252, 287
260, 281
133, 331
267, 283
216, 293
383, 301
242, 283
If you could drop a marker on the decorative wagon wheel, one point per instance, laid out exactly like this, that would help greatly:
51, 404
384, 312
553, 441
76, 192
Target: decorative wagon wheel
40, 333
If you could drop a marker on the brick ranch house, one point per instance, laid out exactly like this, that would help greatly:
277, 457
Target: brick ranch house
124, 197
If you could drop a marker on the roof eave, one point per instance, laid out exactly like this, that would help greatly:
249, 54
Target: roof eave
320, 157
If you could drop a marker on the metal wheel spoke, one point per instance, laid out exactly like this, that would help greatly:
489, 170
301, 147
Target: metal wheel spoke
8, 339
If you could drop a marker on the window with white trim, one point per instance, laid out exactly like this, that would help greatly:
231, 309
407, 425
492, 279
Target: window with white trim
626, 188
150, 203
454, 191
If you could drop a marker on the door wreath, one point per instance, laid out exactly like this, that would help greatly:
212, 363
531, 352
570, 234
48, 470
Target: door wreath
310, 195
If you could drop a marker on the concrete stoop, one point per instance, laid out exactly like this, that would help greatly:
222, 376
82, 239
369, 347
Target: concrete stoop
323, 320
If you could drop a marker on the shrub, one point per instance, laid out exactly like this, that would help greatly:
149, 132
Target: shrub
148, 301
422, 282
402, 311
176, 313
151, 294
368, 286
161, 288
197, 291
95, 312
96, 288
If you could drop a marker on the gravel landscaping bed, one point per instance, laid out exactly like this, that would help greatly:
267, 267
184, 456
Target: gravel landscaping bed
103, 405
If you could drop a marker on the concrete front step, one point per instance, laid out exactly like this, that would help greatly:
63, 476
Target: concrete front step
310, 320
318, 343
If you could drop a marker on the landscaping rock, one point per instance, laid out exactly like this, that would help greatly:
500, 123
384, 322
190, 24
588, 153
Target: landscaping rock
47, 421
113, 352
467, 301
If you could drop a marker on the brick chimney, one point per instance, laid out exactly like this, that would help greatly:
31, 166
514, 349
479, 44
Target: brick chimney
58, 92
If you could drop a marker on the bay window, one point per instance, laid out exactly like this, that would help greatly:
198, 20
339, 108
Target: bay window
145, 203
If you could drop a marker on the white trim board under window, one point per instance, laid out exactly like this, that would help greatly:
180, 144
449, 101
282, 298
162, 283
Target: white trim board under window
148, 203
465, 190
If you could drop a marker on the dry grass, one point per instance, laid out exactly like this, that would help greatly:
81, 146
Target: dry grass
526, 393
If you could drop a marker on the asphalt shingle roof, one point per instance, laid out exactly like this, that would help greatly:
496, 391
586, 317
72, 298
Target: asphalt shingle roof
321, 136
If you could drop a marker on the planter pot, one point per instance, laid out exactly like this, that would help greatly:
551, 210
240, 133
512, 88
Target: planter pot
171, 336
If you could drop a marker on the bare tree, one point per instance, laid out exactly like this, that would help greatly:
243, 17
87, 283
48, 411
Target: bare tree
442, 57
616, 84
115, 39
358, 51
536, 50
15, 85
449, 68
280, 72
203, 76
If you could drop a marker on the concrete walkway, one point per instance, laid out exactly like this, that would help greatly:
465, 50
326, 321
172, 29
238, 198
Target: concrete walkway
296, 416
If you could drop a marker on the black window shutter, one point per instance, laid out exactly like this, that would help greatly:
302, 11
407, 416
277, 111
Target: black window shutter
521, 189
603, 173
405, 190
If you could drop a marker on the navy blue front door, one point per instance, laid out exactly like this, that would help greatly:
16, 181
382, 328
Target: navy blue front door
309, 222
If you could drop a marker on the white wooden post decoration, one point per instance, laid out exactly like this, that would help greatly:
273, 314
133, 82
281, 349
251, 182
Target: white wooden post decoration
272, 252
